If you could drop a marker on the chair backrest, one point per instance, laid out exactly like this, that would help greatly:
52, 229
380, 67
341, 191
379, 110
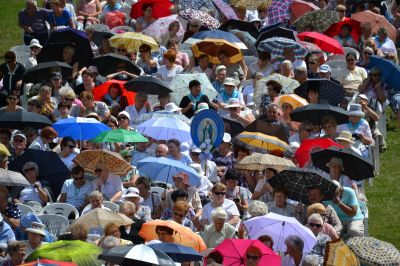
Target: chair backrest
111, 205
92, 238
158, 190
22, 53
55, 224
63, 209
36, 206
336, 67
350, 49
119, 29
25, 209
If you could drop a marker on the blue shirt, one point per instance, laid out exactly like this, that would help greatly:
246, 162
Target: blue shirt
350, 199
62, 20
184, 159
218, 86
6, 233
108, 8
76, 196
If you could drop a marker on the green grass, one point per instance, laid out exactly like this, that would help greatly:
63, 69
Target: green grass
383, 196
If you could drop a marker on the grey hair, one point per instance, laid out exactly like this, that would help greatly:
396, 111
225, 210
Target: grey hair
219, 213
288, 63
95, 194
45, 88
296, 242
258, 208
30, 165
127, 205
109, 242
67, 91
316, 217
164, 146
299, 70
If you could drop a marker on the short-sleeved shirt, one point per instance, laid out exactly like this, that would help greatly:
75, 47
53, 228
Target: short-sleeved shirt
350, 199
228, 205
76, 196
352, 78
100, 108
36, 22
289, 210
112, 185
62, 20
68, 161
184, 159
151, 201
30, 193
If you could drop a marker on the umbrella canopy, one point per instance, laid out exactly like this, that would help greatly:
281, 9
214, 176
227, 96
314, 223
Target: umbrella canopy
225, 9
163, 169
103, 89
136, 255
327, 44
216, 34
51, 168
255, 141
277, 45
299, 181
182, 235
162, 114
160, 27
278, 11
12, 179
180, 86
372, 251
197, 5
100, 34
338, 253
355, 166
268, 128
312, 48
250, 5
279, 227
120, 135
336, 28
160, 8
277, 32
100, 218
389, 71
212, 48
234, 252
303, 153
90, 159
132, 41
4, 150
377, 21
107, 64
316, 112
79, 252
241, 25
300, 7
165, 129
259, 162
149, 85
328, 90
23, 119
178, 253
294, 100
79, 128
318, 20
205, 19
246, 38
48, 263
42, 71
54, 52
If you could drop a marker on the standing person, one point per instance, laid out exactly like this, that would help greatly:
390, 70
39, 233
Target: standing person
11, 72
33, 22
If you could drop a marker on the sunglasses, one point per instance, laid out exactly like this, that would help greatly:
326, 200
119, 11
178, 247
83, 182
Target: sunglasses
179, 215
315, 225
18, 140
122, 118
251, 257
220, 193
98, 170
12, 98
78, 177
367, 53
30, 169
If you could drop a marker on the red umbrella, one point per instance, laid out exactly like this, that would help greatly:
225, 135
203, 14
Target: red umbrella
302, 154
160, 8
300, 7
234, 252
324, 42
126, 98
44, 262
336, 28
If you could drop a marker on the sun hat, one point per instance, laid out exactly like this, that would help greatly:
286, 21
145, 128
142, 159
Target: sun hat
133, 192
171, 107
37, 228
124, 113
201, 107
227, 138
18, 133
230, 81
355, 109
219, 68
345, 136
232, 103
325, 68
35, 43
195, 149
335, 161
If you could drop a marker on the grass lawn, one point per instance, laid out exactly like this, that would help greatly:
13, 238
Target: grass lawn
383, 196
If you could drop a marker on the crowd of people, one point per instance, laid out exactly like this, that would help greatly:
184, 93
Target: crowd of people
247, 94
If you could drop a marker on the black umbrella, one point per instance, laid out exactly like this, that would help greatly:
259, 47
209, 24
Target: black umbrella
12, 179
149, 85
42, 71
23, 119
277, 32
316, 112
241, 25
98, 36
51, 168
329, 91
232, 127
268, 128
299, 181
355, 166
107, 64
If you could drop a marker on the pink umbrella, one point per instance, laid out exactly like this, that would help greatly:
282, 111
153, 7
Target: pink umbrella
225, 9
300, 7
160, 27
234, 252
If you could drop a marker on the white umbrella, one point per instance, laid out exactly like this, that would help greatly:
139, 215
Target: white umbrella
279, 227
165, 129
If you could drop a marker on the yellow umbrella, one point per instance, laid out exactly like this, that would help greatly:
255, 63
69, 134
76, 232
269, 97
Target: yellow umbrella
338, 253
258, 162
212, 48
3, 149
259, 142
132, 41
294, 100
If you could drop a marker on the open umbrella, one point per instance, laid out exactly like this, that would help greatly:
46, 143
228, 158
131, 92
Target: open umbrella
120, 135
216, 34
165, 129
100, 33
45, 262
276, 46
132, 41
259, 162
316, 112
300, 7
160, 27
177, 252
288, 86
89, 159
259, 142
372, 251
162, 114
327, 44
377, 21
268, 128
328, 90
163, 169
51, 168
276, 32
303, 153
79, 128
241, 25
389, 71
225, 9
103, 89
205, 19
246, 38
182, 234
279, 227
42, 71
250, 5
299, 181
212, 48
234, 252
149, 85
336, 28
23, 119
180, 86
107, 64
160, 8
198, 5
355, 166
12, 179
312, 48
4, 150
278, 11
319, 20
76, 251
338, 253
100, 218
294, 100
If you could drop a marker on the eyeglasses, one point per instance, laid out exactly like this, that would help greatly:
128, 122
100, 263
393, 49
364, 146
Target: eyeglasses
251, 257
12, 98
179, 215
30, 169
98, 170
78, 177
220, 193
122, 118
315, 225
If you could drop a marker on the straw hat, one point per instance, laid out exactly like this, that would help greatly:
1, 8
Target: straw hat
345, 136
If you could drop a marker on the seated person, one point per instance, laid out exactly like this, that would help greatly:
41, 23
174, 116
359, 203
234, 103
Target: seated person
59, 16
96, 201
280, 204
219, 230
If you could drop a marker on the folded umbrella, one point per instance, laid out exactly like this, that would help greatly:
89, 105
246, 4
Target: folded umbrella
336, 28
100, 218
328, 90
165, 129
278, 31
205, 19
300, 7
163, 169
225, 9
240, 25
277, 45
42, 71
12, 179
316, 112
303, 153
160, 8
389, 71
212, 48
327, 44
338, 253
259, 142
216, 34
177, 252
107, 64
79, 128
259, 162
318, 20
132, 41
377, 21
120, 135
160, 27
149, 85
103, 89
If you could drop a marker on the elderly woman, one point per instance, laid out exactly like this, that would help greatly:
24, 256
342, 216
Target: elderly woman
384, 42
180, 212
131, 232
274, 88
280, 204
96, 201
107, 183
190, 102
141, 212
320, 209
352, 76
174, 152
36, 234
144, 21
236, 193
182, 59
294, 251
146, 62
316, 225
152, 200
112, 229
59, 16
215, 233
192, 28
16, 251
286, 69
230, 91
89, 105
172, 33
168, 71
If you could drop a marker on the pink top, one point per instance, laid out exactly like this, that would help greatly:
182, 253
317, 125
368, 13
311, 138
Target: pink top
88, 7
182, 59
330, 231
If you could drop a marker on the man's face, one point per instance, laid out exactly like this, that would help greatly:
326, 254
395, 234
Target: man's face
272, 113
221, 75
161, 151
315, 196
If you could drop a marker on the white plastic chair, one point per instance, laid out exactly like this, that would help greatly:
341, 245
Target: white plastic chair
36, 207
120, 29
92, 238
111, 205
22, 53
63, 209
55, 224
25, 209
158, 190
100, 27
336, 67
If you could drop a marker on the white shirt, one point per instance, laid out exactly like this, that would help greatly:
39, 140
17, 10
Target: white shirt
229, 206
248, 91
68, 160
254, 68
208, 71
112, 185
134, 114
210, 170
168, 74
30, 193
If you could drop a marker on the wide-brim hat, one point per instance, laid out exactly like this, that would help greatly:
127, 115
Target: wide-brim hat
37, 228
345, 136
355, 110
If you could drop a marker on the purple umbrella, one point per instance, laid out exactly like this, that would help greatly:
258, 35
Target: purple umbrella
225, 9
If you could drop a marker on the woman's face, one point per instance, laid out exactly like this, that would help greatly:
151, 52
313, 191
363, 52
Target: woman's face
30, 174
69, 147
178, 215
231, 184
329, 129
67, 54
114, 91
376, 77
96, 202
287, 108
196, 90
45, 96
335, 171
351, 61
140, 102
87, 79
19, 255
354, 119
173, 149
218, 196
280, 199
366, 55
34, 238
148, 12
313, 96
219, 224
286, 70
315, 226
229, 89
224, 148
143, 190
114, 231
12, 100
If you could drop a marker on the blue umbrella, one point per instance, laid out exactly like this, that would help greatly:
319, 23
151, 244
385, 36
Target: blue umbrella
79, 128
216, 34
178, 253
163, 169
390, 72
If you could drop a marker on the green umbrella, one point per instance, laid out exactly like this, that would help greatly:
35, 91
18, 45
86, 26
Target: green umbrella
76, 251
120, 135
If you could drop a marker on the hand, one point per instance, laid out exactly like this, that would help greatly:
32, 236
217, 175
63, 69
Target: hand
190, 105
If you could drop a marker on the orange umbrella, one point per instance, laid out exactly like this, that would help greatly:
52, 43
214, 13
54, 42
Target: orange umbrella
126, 97
300, 7
182, 234
377, 21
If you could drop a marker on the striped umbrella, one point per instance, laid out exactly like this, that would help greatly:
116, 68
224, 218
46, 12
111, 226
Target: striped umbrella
259, 142
278, 11
276, 46
328, 90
